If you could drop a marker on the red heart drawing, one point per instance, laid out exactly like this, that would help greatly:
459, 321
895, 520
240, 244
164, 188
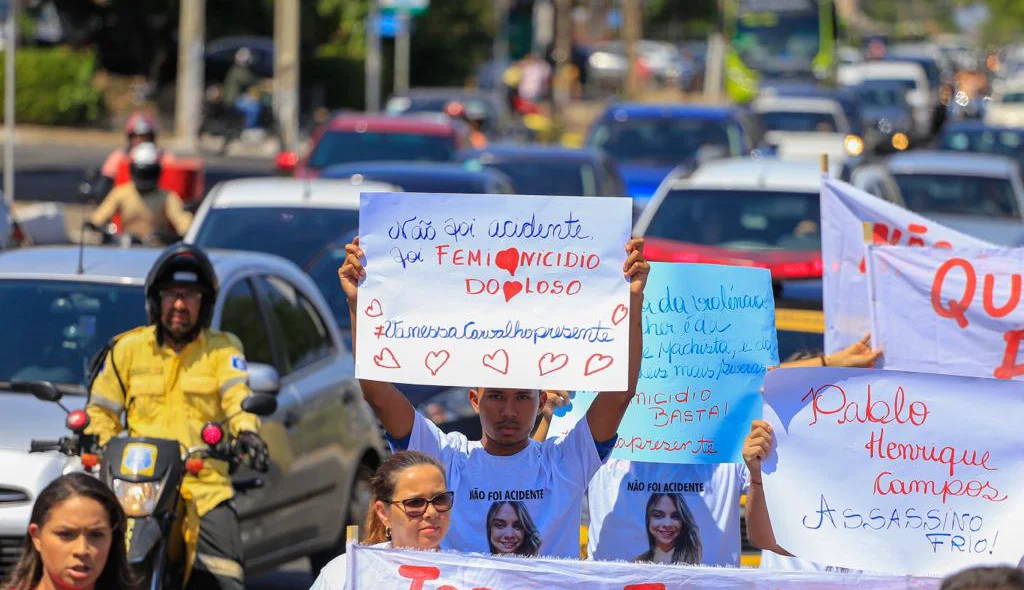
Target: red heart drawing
374, 310
385, 359
597, 363
497, 360
435, 360
619, 314
511, 289
508, 260
550, 362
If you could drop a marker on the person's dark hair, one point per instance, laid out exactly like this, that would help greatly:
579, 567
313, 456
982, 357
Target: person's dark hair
531, 536
116, 574
1002, 577
382, 487
687, 547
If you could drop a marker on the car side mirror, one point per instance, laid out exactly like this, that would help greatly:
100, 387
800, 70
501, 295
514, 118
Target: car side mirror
261, 404
286, 162
41, 390
263, 379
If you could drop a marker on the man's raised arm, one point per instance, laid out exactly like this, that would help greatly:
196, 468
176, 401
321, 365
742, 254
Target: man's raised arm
607, 411
392, 409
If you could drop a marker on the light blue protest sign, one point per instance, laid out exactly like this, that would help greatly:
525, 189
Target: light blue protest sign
709, 336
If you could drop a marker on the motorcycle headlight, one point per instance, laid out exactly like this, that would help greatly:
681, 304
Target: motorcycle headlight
137, 499
853, 145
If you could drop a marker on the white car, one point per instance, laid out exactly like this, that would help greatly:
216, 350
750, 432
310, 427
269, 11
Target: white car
294, 218
1007, 106
981, 195
912, 75
802, 129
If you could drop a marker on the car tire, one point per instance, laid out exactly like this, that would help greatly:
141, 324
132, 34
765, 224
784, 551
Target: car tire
358, 509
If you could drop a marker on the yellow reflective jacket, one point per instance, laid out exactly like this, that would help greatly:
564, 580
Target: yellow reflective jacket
171, 395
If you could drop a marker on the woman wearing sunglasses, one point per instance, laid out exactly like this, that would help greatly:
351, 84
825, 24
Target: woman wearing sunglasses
409, 509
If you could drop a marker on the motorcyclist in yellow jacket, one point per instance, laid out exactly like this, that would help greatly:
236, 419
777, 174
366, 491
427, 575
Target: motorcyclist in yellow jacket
171, 377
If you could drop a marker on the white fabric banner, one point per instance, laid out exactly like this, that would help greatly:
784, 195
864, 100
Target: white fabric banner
954, 311
844, 212
494, 291
374, 568
903, 473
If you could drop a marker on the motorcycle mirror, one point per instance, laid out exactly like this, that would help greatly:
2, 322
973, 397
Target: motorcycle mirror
260, 404
42, 390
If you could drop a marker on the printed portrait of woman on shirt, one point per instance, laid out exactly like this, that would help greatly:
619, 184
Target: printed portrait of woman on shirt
510, 530
671, 531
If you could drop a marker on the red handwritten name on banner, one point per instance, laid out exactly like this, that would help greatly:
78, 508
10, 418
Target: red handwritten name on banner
831, 400
883, 234
418, 574
956, 309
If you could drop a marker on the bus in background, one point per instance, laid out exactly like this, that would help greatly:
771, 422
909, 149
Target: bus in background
777, 39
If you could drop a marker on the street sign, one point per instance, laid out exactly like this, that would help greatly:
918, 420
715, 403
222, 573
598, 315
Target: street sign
412, 7
390, 26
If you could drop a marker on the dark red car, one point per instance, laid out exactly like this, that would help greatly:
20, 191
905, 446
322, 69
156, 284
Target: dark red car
360, 137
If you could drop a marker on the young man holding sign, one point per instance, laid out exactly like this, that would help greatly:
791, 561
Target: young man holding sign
512, 493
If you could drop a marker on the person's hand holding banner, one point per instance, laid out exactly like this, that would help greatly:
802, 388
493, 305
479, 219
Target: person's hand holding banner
886, 471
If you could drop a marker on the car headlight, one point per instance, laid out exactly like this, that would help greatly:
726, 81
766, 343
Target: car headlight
853, 145
900, 141
138, 499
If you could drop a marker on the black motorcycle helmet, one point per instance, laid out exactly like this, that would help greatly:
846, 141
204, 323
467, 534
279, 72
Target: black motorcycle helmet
181, 264
145, 167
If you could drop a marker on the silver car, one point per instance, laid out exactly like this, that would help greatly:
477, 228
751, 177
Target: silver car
324, 441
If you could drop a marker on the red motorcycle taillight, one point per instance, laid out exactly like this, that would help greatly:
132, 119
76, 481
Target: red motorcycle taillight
89, 460
77, 420
212, 434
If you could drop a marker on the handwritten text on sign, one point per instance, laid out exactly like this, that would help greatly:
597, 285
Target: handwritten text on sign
403, 569
709, 334
950, 311
900, 470
494, 290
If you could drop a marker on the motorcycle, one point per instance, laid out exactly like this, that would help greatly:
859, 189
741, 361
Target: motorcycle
223, 124
146, 475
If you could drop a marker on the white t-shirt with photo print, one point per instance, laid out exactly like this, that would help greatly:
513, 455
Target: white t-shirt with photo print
620, 491
545, 480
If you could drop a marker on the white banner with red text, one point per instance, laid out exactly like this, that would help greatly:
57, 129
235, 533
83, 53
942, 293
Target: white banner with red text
373, 568
956, 311
902, 473
850, 218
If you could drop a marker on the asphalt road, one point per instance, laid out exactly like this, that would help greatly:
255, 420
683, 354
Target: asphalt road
52, 172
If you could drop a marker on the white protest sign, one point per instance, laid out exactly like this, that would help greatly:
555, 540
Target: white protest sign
849, 218
494, 291
949, 311
380, 567
895, 472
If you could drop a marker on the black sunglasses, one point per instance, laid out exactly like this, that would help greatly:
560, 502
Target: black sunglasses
413, 507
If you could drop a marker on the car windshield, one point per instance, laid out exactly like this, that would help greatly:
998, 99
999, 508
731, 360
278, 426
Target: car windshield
1006, 142
1013, 97
664, 141
62, 325
743, 220
793, 121
540, 177
977, 196
882, 96
323, 269
342, 147
295, 233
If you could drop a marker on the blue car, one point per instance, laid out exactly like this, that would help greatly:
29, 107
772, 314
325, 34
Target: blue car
548, 170
649, 141
427, 177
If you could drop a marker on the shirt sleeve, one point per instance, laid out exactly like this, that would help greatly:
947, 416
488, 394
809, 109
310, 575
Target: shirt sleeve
106, 210
233, 380
107, 397
332, 577
577, 453
174, 208
428, 438
112, 164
